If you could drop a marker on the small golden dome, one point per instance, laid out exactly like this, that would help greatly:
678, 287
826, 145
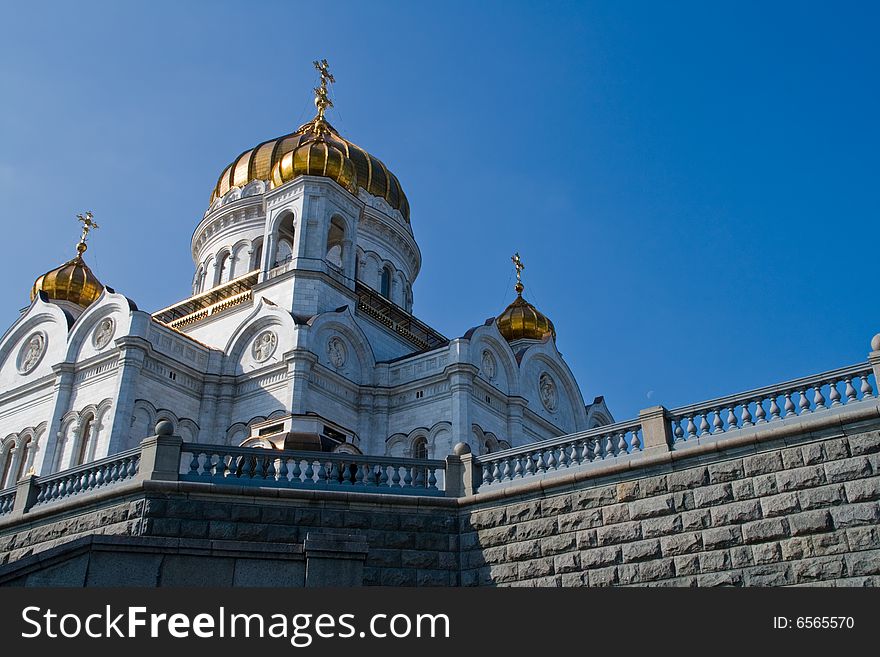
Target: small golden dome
315, 158
522, 320
73, 281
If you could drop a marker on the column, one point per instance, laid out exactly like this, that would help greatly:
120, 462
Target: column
62, 390
132, 354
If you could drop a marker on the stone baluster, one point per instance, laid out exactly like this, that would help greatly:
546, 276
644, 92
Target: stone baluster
867, 390
704, 423
850, 391
551, 459
746, 415
834, 393
691, 427
732, 422
677, 431
803, 402
775, 413
517, 467
789, 405
818, 397
635, 441
717, 423
760, 413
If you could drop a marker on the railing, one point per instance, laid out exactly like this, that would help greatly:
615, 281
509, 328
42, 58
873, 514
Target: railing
165, 458
397, 319
7, 500
87, 478
315, 470
549, 456
812, 394
207, 303
214, 309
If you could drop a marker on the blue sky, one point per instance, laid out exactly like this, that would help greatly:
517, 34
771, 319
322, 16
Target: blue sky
692, 185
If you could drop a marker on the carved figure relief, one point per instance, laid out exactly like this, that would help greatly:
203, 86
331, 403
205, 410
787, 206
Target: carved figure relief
489, 365
264, 346
336, 352
547, 390
103, 333
31, 352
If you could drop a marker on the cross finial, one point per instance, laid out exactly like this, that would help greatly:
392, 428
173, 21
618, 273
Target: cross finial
518, 263
322, 100
88, 224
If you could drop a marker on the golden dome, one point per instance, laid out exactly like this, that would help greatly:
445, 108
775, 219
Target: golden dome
258, 163
73, 281
522, 320
315, 158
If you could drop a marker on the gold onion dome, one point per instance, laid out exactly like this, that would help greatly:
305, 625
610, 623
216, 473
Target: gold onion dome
315, 158
521, 320
260, 162
73, 281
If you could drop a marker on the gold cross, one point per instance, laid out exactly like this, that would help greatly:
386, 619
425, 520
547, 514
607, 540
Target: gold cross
322, 101
88, 225
518, 263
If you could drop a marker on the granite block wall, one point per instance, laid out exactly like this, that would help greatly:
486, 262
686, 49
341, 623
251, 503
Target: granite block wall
787, 515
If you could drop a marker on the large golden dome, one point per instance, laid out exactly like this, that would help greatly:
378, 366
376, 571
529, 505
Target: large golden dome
73, 281
258, 163
315, 158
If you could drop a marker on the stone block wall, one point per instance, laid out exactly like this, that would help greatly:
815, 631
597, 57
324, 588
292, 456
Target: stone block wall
800, 514
409, 544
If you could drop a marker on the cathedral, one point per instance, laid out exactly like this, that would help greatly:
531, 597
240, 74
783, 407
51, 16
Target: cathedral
299, 333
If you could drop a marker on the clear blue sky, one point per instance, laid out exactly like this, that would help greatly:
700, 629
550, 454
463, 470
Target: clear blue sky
693, 186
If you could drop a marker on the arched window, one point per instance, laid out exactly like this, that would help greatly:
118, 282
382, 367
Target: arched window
385, 285
284, 240
23, 465
420, 451
223, 268
488, 447
258, 258
86, 442
7, 466
285, 252
335, 237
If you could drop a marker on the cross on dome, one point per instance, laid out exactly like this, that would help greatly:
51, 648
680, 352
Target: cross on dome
88, 224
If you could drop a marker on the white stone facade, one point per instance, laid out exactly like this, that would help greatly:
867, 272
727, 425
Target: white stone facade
302, 300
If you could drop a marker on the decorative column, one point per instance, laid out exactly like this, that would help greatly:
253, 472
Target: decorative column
299, 367
461, 385
208, 429
369, 443
132, 355
62, 390
515, 412
225, 397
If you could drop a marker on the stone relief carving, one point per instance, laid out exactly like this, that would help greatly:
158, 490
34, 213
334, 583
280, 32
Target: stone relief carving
489, 366
264, 346
336, 352
31, 352
103, 333
547, 390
